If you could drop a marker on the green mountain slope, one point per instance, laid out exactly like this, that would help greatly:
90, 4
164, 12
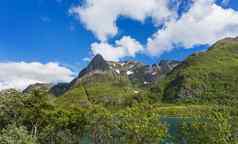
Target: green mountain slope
102, 88
210, 76
113, 84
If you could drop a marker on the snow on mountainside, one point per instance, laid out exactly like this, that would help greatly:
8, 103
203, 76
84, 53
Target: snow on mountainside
133, 72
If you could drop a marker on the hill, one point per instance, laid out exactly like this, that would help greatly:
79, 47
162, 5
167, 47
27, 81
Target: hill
210, 76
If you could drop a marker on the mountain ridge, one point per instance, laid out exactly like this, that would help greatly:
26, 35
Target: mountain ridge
206, 76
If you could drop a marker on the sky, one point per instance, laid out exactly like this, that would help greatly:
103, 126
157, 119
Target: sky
50, 41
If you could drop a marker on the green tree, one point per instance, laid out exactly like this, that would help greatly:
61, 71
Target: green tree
134, 125
35, 112
212, 128
101, 125
64, 127
11, 104
141, 124
16, 135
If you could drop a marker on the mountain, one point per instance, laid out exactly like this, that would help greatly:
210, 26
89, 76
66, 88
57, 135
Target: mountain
101, 82
38, 87
167, 66
55, 90
113, 83
134, 72
107, 82
210, 76
59, 89
203, 77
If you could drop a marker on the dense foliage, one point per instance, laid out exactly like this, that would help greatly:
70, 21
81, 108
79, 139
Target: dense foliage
34, 118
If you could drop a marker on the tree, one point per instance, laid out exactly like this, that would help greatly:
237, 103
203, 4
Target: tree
16, 135
141, 124
134, 125
212, 128
11, 104
35, 111
66, 126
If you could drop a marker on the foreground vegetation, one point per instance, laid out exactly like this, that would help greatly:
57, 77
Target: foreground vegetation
35, 119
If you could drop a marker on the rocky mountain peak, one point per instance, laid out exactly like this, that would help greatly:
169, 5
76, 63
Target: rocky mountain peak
98, 63
167, 65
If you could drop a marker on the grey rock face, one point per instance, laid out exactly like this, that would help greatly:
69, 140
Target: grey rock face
136, 72
59, 89
167, 66
98, 63
38, 87
133, 72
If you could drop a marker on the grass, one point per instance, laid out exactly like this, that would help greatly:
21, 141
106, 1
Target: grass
208, 77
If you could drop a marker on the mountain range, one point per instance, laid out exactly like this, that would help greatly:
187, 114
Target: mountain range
193, 101
209, 76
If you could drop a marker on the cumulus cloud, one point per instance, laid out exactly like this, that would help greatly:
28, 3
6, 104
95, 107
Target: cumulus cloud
99, 16
126, 46
19, 75
204, 23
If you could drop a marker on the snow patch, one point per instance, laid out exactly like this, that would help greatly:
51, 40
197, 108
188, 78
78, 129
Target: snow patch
122, 64
154, 73
131, 66
129, 72
145, 82
117, 71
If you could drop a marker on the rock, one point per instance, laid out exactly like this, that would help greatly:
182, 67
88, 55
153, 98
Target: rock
38, 87
59, 89
167, 66
97, 63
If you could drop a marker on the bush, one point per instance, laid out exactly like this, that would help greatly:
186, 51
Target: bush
16, 135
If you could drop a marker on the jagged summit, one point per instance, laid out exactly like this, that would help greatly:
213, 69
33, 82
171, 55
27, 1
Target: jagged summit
166, 66
97, 63
99, 69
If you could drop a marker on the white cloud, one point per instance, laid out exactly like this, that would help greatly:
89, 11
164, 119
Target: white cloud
99, 16
19, 75
204, 23
126, 46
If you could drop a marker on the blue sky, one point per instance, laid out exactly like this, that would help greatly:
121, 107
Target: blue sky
44, 31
